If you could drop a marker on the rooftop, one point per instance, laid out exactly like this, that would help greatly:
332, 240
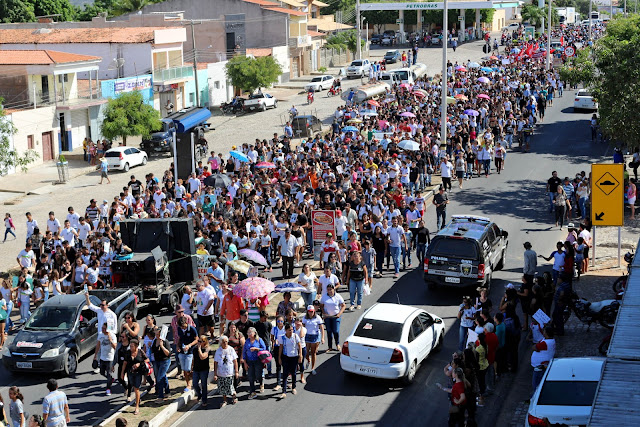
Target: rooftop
41, 57
79, 35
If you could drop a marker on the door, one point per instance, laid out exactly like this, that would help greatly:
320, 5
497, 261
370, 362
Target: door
47, 146
416, 345
88, 331
231, 44
45, 89
64, 137
137, 155
430, 338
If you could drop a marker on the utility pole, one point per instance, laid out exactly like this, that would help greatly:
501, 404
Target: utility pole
358, 29
548, 55
443, 101
195, 60
590, 22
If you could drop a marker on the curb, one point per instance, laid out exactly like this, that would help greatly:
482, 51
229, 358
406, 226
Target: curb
171, 409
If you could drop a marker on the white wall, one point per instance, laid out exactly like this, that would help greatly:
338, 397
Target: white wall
35, 122
219, 91
137, 56
281, 54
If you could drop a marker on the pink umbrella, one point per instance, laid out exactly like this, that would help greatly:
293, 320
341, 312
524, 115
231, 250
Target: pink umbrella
484, 80
265, 165
419, 94
382, 124
407, 114
253, 287
405, 85
253, 256
461, 69
373, 102
484, 96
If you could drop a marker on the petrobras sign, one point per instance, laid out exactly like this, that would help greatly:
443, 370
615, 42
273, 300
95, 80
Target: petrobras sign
422, 6
436, 5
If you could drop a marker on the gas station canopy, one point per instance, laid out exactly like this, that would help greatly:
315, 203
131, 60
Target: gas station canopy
440, 5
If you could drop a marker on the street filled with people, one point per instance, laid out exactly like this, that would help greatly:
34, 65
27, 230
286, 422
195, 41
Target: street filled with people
377, 169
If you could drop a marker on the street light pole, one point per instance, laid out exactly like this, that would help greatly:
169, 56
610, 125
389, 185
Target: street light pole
549, 38
445, 38
359, 36
590, 22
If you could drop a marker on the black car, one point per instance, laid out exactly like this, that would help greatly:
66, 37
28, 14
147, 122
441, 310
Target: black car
465, 253
61, 331
306, 126
376, 38
392, 56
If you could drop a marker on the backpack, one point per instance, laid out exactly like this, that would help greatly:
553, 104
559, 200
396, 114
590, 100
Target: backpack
511, 327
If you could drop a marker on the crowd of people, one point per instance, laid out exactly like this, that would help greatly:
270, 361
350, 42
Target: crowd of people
364, 170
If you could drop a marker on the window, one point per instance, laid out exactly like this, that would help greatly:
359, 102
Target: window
568, 393
216, 84
63, 77
458, 248
426, 320
416, 329
379, 330
192, 98
128, 151
30, 142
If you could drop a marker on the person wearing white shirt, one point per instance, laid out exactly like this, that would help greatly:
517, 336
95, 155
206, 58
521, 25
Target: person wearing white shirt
104, 314
289, 357
397, 240
194, 184
32, 224
73, 217
158, 197
333, 307
180, 190
68, 233
327, 279
445, 172
84, 229
53, 225
309, 281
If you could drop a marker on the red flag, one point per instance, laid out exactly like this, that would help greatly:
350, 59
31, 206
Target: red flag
530, 50
537, 47
562, 40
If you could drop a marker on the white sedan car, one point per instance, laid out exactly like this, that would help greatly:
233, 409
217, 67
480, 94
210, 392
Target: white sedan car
390, 341
319, 83
584, 101
566, 393
123, 158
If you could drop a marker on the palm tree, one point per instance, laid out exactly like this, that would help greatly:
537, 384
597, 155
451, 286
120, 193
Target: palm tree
122, 7
533, 14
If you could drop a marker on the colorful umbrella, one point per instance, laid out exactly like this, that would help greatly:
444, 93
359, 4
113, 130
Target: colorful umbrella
349, 129
253, 287
289, 287
420, 91
407, 114
471, 113
473, 65
514, 85
484, 96
451, 100
419, 94
493, 58
265, 165
356, 121
409, 145
405, 85
461, 97
368, 113
253, 256
484, 80
240, 156
461, 69
486, 69
373, 102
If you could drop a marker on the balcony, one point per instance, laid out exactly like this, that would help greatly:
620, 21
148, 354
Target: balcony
172, 75
300, 41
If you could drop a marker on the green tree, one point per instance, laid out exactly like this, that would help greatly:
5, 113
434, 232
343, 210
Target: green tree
127, 115
617, 84
579, 69
345, 40
249, 73
378, 18
16, 11
9, 156
54, 7
121, 7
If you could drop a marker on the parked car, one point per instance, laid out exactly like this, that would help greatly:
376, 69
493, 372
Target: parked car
389, 33
465, 253
392, 56
358, 68
376, 38
584, 101
435, 38
319, 83
123, 158
387, 41
306, 126
511, 27
391, 341
566, 392
260, 101
61, 331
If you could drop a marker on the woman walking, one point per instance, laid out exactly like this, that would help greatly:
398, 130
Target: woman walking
252, 362
290, 355
7, 294
560, 203
225, 368
301, 331
309, 281
16, 408
201, 369
276, 332
332, 308
135, 365
315, 335
355, 277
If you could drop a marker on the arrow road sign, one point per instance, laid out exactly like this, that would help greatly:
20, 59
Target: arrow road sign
599, 216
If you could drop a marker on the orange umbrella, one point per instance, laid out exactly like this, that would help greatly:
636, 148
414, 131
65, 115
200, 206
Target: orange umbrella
461, 96
493, 58
373, 102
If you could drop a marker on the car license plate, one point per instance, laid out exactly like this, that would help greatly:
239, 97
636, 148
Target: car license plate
158, 148
452, 279
24, 365
367, 370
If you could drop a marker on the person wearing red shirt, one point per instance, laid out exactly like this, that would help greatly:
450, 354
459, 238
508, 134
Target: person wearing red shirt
492, 346
230, 309
458, 398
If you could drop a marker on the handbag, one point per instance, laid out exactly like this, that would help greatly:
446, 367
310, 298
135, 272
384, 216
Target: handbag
454, 409
265, 356
366, 289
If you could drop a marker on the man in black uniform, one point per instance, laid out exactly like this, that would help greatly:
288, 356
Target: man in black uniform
440, 201
552, 188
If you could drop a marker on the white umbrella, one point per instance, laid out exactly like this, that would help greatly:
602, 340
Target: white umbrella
409, 145
473, 65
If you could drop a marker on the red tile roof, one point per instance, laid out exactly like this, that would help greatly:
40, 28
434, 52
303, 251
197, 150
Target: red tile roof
289, 11
79, 35
41, 57
315, 33
263, 2
266, 51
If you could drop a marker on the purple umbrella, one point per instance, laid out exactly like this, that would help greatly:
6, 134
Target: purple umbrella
471, 113
253, 256
484, 80
407, 114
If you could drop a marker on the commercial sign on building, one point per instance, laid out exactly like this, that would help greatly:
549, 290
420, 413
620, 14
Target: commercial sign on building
322, 222
133, 83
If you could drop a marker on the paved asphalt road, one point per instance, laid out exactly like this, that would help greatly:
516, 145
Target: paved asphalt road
514, 199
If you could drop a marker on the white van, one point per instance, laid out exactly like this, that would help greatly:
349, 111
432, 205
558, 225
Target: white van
390, 78
406, 75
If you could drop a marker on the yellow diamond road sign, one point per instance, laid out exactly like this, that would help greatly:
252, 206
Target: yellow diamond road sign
607, 194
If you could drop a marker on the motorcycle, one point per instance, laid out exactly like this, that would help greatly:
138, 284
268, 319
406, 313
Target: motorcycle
309, 98
621, 282
333, 90
603, 312
230, 108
